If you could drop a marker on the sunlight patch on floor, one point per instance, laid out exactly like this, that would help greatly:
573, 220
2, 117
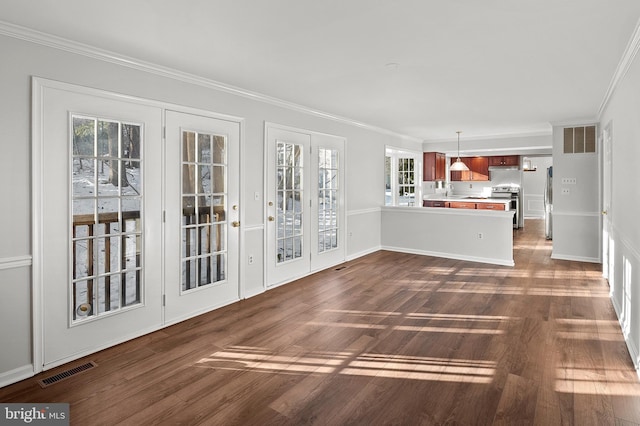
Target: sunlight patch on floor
366, 364
419, 329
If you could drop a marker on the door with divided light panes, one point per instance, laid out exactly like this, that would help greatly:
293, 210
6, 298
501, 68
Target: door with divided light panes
99, 226
202, 214
305, 209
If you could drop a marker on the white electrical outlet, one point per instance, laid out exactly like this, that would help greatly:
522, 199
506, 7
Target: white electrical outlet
569, 181
250, 259
480, 236
565, 191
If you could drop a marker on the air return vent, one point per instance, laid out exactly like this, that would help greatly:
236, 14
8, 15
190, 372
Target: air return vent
66, 374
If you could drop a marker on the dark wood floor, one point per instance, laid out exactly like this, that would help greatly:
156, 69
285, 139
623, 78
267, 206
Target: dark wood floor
389, 339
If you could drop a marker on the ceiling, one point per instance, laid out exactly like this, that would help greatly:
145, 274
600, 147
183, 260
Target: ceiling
421, 68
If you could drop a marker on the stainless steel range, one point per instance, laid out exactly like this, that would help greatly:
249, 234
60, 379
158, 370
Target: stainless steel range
512, 192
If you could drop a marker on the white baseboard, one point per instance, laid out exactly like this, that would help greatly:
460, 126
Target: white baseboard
492, 261
560, 256
16, 375
362, 253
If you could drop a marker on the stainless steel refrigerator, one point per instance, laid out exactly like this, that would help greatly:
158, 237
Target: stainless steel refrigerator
548, 204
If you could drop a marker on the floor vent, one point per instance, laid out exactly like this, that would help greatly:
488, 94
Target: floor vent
340, 268
66, 374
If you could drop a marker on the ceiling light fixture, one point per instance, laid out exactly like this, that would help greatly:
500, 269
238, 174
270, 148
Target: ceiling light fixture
458, 166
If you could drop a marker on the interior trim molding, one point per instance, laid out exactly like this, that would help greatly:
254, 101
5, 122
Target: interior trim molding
455, 256
15, 375
359, 254
625, 63
15, 262
364, 211
560, 256
576, 214
49, 40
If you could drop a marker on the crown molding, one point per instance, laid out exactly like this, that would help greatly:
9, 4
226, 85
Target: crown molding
576, 122
623, 67
522, 134
50, 40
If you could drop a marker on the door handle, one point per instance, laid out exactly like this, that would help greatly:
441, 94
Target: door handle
604, 212
235, 224
271, 219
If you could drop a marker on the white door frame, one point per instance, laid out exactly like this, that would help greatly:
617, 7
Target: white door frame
37, 160
607, 187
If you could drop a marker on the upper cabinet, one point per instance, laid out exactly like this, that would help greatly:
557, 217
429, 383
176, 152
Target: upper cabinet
505, 160
434, 165
478, 169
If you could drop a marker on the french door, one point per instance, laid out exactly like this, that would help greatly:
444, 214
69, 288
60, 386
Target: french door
202, 214
99, 223
305, 203
131, 232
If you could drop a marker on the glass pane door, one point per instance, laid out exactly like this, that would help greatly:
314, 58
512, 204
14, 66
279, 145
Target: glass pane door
204, 197
99, 263
202, 227
328, 196
289, 205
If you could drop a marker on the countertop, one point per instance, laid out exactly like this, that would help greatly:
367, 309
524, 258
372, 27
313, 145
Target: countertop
467, 198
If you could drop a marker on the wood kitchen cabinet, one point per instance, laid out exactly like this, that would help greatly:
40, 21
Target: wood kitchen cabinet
462, 205
504, 160
490, 206
478, 169
434, 203
434, 166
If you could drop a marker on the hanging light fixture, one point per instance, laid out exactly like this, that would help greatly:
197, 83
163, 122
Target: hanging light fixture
458, 166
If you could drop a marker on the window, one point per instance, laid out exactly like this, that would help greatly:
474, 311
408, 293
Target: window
402, 178
289, 212
328, 196
204, 198
107, 224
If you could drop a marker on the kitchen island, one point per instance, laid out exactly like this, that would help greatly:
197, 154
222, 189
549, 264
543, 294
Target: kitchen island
468, 233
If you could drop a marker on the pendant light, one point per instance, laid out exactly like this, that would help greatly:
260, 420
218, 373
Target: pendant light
458, 166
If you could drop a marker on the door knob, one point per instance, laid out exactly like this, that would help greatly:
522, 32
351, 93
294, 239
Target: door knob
235, 224
271, 219
604, 212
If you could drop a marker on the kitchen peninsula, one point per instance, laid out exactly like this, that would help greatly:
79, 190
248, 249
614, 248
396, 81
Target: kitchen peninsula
466, 230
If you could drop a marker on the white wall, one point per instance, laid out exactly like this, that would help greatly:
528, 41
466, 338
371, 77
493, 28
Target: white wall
576, 215
364, 168
623, 114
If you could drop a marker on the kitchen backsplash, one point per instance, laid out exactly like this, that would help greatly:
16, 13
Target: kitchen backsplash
498, 177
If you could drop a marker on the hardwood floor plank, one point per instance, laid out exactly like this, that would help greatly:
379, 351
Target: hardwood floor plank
388, 338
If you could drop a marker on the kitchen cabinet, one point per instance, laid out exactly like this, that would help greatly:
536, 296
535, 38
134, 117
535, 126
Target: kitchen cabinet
462, 205
434, 166
478, 169
504, 160
434, 203
490, 206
